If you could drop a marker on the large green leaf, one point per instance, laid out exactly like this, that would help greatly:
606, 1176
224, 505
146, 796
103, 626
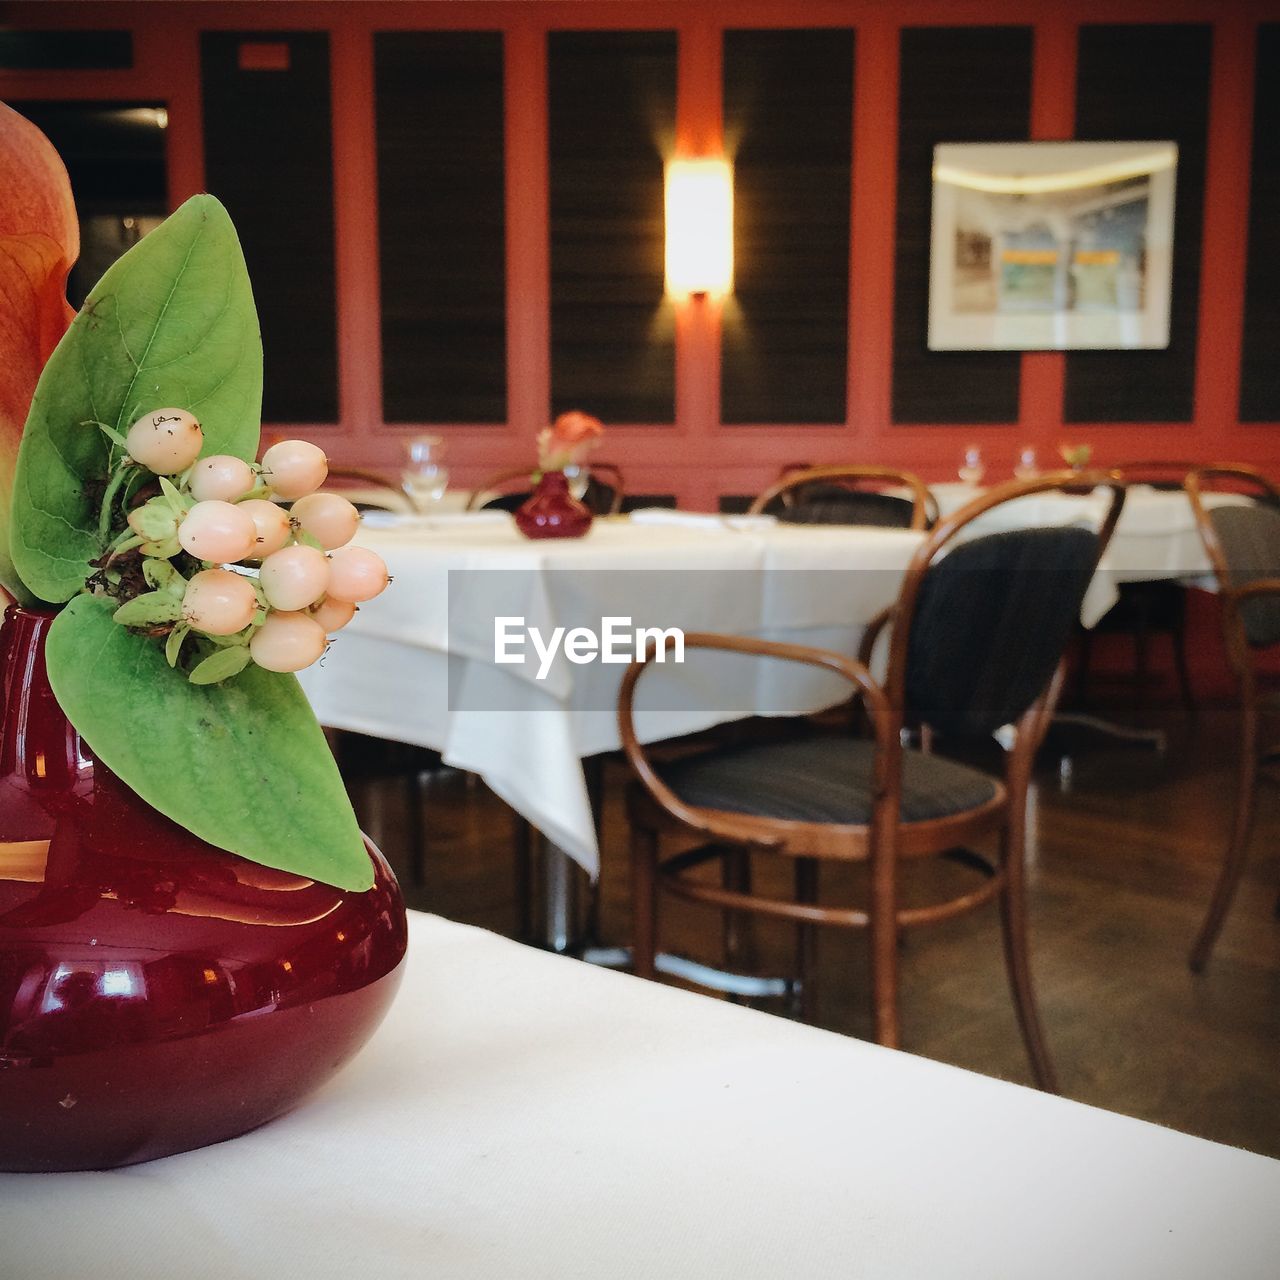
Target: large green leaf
242, 764
172, 323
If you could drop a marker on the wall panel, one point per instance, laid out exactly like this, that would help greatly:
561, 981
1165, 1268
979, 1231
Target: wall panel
268, 158
1147, 82
788, 103
957, 84
441, 222
611, 122
1260, 362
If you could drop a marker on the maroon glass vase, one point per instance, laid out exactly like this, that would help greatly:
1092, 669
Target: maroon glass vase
552, 511
156, 993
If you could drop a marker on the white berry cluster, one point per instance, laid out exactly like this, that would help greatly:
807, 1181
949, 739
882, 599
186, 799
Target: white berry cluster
208, 553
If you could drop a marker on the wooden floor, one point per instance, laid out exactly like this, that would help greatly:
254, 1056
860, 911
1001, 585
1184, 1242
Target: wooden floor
1120, 874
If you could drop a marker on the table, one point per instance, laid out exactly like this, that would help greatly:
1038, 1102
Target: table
389, 673
520, 1115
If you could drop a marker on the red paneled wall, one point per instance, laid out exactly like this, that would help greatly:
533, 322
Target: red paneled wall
696, 458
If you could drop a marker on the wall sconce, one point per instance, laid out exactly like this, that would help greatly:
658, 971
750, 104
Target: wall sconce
699, 208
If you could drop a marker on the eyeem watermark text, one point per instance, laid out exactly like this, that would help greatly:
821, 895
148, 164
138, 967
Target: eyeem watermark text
617, 641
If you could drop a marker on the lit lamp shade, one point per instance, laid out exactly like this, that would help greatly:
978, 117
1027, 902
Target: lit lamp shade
699, 228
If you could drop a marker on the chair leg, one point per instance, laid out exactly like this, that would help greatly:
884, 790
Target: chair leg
644, 901
884, 950
415, 799
735, 873
1178, 637
1013, 920
806, 891
1233, 860
522, 844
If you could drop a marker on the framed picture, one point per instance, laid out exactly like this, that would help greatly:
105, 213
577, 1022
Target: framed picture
1051, 245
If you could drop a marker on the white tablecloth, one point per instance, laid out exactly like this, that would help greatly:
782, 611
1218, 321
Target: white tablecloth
388, 672
523, 1115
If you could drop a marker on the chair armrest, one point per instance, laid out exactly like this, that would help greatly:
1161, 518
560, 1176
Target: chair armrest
1258, 587
708, 822
869, 637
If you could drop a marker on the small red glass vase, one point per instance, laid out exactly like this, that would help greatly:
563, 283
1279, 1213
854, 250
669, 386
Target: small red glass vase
156, 993
552, 511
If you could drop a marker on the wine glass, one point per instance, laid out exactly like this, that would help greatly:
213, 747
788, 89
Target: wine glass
1026, 467
424, 476
972, 469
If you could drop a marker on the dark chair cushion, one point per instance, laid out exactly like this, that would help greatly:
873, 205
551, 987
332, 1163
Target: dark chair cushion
822, 779
1250, 540
831, 504
991, 623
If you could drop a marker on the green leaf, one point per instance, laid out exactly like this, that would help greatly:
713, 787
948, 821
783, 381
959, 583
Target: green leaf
242, 765
171, 323
155, 520
148, 609
173, 645
221, 665
161, 575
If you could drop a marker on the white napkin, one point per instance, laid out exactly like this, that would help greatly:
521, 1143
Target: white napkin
441, 520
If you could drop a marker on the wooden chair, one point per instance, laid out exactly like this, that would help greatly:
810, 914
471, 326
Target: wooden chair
1243, 545
956, 662
847, 495
1146, 608
367, 489
605, 490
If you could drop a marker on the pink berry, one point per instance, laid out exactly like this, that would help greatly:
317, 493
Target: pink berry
272, 524
332, 521
217, 531
219, 602
294, 577
221, 476
333, 614
356, 574
165, 441
287, 642
294, 468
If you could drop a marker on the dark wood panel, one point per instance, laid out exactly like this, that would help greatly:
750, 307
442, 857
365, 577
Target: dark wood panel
788, 110
957, 84
611, 104
115, 158
442, 223
268, 158
65, 50
1260, 368
1147, 82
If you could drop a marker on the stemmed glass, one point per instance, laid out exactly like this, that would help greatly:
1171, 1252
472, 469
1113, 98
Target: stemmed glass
424, 476
1026, 467
971, 469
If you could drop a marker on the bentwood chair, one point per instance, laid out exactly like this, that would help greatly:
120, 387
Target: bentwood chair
1144, 609
368, 490
1243, 545
847, 495
604, 495
978, 634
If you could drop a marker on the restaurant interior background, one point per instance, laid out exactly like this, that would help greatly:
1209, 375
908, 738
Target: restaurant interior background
452, 214
453, 217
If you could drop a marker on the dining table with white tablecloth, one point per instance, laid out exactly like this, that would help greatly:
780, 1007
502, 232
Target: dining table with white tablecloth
522, 1115
407, 668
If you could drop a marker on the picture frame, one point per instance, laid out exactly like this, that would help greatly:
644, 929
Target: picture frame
1051, 245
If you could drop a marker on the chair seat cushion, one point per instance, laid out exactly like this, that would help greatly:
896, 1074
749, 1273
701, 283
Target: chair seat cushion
822, 779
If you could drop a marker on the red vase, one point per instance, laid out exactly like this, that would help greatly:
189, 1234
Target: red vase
552, 511
156, 993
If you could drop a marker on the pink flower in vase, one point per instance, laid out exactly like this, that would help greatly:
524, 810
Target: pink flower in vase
568, 441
